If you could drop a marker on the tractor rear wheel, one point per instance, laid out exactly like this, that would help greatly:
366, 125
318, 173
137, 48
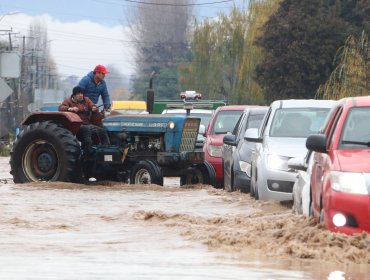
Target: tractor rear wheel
146, 172
44, 151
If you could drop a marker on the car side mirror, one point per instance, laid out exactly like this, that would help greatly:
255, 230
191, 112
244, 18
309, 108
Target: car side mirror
202, 129
297, 164
251, 135
317, 143
230, 139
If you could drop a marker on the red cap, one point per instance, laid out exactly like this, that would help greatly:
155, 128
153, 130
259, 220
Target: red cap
101, 68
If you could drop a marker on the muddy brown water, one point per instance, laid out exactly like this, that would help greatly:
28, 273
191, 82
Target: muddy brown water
116, 231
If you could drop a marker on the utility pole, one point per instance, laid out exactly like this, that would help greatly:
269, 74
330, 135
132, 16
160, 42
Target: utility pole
10, 42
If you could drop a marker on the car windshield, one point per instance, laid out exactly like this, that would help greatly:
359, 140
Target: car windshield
356, 130
297, 122
225, 121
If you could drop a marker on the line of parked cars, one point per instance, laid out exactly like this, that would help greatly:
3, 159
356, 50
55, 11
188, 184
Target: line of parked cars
314, 152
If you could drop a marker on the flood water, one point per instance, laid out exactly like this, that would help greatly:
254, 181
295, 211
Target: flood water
116, 231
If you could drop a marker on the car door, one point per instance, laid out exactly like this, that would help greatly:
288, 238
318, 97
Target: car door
227, 155
244, 148
320, 160
257, 151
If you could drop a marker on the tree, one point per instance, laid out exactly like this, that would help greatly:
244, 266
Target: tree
248, 90
160, 32
217, 49
352, 76
225, 57
300, 42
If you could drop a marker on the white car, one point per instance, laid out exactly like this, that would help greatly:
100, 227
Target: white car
302, 187
283, 136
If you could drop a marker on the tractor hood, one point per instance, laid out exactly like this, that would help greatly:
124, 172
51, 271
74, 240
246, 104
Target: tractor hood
144, 123
179, 132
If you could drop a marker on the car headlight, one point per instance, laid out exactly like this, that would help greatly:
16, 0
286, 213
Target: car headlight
277, 162
348, 182
171, 125
246, 167
214, 151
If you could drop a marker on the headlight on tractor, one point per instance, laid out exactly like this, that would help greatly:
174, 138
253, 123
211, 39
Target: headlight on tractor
348, 182
214, 151
171, 125
277, 162
245, 167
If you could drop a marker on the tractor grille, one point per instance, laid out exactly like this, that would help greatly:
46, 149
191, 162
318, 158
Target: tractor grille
189, 135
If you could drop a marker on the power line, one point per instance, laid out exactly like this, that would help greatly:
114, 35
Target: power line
174, 5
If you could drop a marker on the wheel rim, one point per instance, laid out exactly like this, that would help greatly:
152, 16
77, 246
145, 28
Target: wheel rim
143, 177
40, 162
194, 177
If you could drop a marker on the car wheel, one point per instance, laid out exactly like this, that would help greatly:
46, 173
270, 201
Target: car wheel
251, 192
233, 188
256, 195
299, 208
227, 186
322, 216
310, 210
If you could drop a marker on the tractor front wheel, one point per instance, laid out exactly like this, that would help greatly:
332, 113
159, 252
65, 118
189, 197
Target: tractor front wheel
146, 172
199, 174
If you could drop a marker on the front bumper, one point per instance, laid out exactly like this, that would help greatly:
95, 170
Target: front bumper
355, 207
275, 184
182, 158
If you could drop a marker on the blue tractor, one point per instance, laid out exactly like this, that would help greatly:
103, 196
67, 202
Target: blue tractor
144, 149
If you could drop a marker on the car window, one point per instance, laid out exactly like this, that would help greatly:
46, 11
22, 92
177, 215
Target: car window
297, 122
265, 121
254, 121
356, 130
225, 121
239, 125
331, 129
329, 117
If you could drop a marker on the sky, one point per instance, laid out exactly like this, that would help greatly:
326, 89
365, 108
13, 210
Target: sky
84, 33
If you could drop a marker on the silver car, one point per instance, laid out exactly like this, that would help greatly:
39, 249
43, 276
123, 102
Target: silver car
283, 136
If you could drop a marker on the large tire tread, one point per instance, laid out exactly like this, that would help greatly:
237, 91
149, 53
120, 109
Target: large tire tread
64, 141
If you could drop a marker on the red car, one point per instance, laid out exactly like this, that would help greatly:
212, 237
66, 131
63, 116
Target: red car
224, 120
340, 179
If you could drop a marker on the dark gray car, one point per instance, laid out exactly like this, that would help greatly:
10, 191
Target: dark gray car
236, 152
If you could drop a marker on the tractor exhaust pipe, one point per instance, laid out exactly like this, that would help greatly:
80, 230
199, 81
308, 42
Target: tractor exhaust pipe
150, 95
